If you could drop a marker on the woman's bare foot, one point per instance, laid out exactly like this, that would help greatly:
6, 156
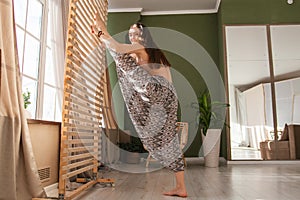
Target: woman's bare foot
176, 192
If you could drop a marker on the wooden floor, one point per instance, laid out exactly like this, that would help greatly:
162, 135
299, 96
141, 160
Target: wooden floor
231, 181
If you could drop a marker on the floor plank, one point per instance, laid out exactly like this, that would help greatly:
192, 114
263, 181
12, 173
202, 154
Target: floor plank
227, 182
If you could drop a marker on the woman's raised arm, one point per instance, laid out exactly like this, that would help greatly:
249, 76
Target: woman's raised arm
100, 29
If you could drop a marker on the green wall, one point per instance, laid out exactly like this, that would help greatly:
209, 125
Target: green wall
204, 30
201, 28
117, 23
259, 12
207, 30
245, 12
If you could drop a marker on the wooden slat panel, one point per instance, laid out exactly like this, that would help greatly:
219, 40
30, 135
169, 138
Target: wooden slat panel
76, 149
80, 156
80, 141
81, 76
80, 103
78, 164
74, 193
83, 98
84, 128
79, 83
81, 134
85, 87
81, 119
81, 71
76, 172
81, 112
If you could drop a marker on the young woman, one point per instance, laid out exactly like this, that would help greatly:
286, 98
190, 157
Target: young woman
146, 84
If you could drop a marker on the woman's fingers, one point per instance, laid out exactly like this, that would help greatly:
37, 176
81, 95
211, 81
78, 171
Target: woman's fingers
98, 26
98, 20
95, 25
92, 29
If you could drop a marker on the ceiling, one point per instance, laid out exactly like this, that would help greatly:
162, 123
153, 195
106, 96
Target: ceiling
161, 7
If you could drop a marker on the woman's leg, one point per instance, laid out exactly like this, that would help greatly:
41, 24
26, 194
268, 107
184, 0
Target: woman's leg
180, 189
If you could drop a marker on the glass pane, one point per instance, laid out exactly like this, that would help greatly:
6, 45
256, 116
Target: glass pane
20, 12
31, 56
248, 71
286, 48
34, 18
284, 102
31, 86
20, 43
49, 103
296, 101
49, 28
58, 107
49, 70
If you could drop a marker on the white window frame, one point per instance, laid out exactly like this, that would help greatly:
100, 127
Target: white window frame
42, 60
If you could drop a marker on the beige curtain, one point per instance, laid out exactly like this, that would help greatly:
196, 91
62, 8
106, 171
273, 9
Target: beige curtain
18, 172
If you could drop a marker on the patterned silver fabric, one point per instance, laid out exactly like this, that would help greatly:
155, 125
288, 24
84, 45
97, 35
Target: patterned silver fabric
152, 105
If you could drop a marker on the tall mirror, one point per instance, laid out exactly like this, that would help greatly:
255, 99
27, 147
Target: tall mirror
285, 40
263, 78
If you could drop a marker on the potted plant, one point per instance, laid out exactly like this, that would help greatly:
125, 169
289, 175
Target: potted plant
211, 122
26, 97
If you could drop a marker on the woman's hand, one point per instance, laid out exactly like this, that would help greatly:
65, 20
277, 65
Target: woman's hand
98, 22
98, 27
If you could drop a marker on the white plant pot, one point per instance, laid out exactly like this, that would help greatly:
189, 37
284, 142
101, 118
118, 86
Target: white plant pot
211, 147
130, 157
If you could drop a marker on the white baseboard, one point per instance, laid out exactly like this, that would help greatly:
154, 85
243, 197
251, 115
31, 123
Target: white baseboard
263, 162
200, 160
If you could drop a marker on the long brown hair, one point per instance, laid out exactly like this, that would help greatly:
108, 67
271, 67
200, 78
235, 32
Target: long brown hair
155, 54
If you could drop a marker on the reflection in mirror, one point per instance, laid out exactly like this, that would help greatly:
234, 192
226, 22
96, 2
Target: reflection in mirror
286, 50
248, 75
286, 61
249, 89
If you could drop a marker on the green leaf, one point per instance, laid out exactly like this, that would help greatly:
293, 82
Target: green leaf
208, 112
26, 97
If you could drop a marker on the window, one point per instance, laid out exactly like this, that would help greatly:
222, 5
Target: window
34, 25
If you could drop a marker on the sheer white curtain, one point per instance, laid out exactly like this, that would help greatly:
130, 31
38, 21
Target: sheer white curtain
241, 118
58, 50
250, 116
256, 114
296, 109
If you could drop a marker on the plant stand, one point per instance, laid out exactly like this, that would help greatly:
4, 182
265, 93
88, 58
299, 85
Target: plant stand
211, 147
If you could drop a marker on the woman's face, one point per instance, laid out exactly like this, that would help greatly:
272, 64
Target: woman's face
134, 35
